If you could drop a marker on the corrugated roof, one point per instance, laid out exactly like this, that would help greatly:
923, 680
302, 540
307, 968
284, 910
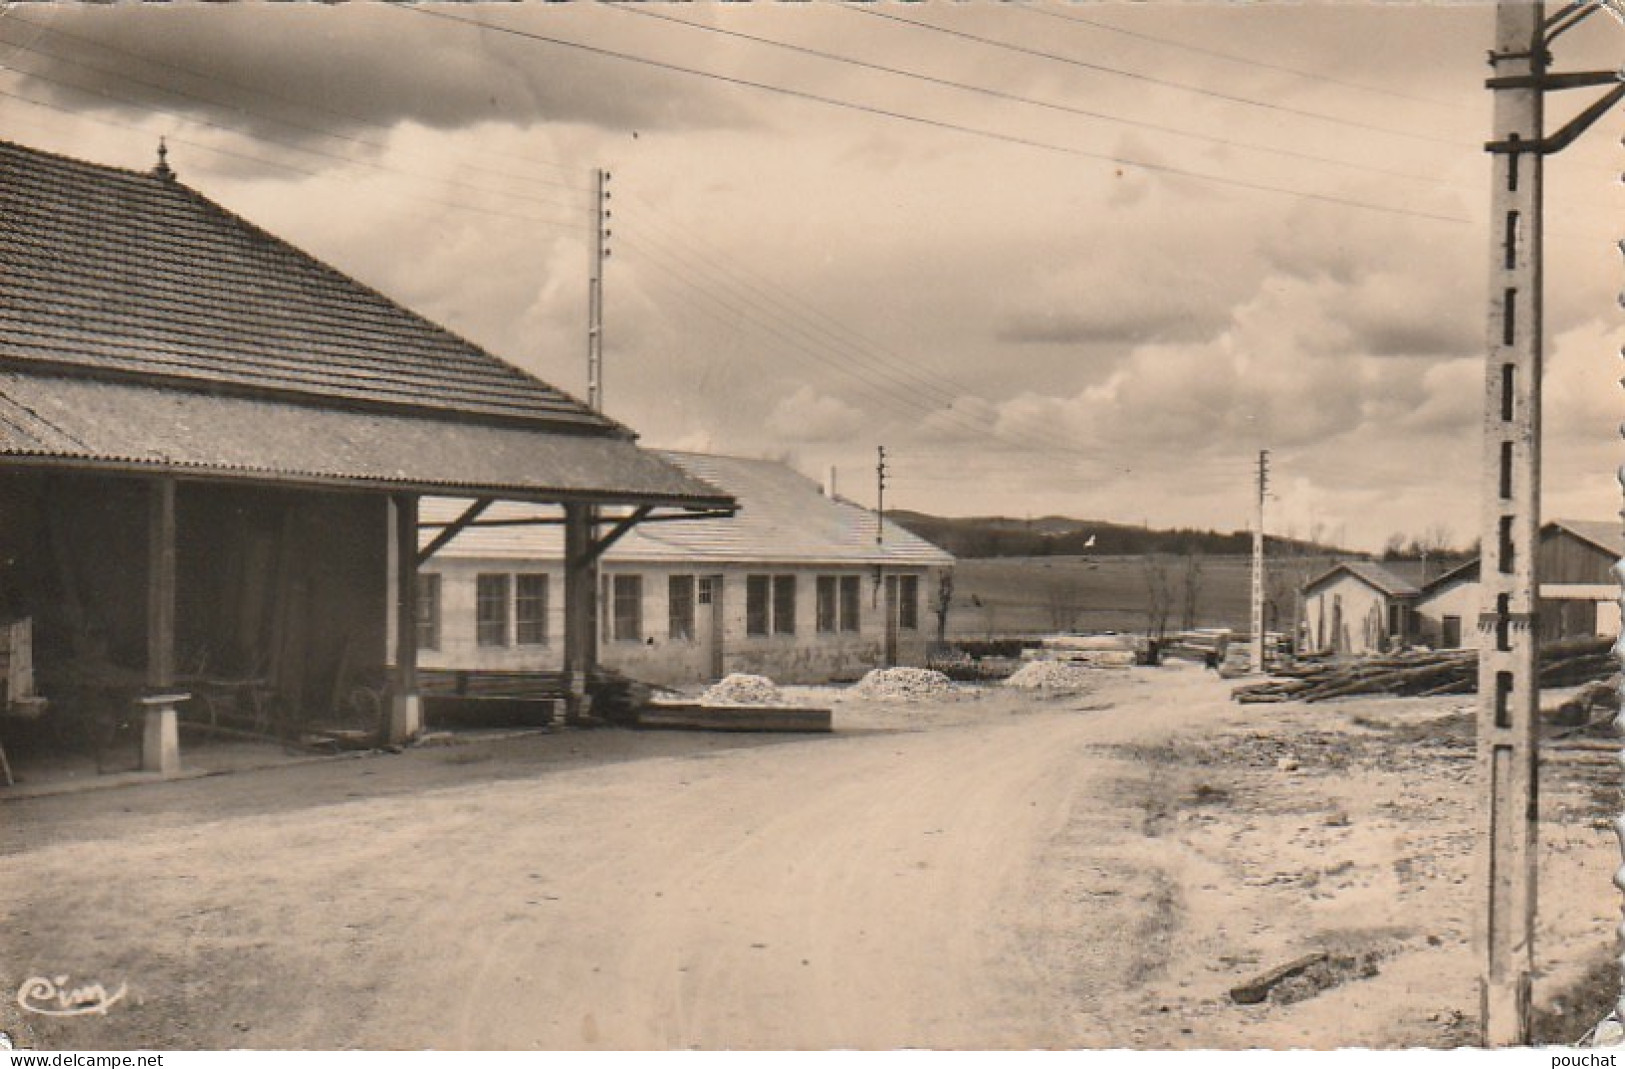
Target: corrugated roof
1372, 574
114, 424
114, 271
783, 517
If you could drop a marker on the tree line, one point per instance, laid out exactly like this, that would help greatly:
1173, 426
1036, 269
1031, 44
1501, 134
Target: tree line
1053, 536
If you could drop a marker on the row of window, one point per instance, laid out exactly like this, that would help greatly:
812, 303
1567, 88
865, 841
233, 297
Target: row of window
511, 609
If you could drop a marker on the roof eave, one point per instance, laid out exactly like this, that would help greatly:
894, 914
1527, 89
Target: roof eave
710, 505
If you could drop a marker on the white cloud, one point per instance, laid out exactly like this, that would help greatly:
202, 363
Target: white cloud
809, 416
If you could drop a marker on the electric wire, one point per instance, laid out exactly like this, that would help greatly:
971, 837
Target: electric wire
213, 125
995, 135
637, 8
1230, 57
261, 91
283, 166
917, 376
1148, 78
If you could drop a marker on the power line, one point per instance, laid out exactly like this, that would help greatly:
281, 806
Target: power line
231, 129
279, 165
1244, 60
999, 94
870, 109
1151, 79
918, 378
260, 91
900, 396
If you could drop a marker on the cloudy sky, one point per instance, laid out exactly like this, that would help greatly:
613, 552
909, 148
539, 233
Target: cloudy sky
1062, 258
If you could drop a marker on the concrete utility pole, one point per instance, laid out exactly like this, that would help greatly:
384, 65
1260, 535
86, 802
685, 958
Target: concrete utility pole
595, 291
1258, 562
581, 524
1508, 664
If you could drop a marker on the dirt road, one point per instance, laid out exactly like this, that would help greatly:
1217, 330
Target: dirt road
992, 872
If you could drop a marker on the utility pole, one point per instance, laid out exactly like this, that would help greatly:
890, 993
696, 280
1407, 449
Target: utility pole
595, 291
582, 607
1508, 661
1258, 562
880, 495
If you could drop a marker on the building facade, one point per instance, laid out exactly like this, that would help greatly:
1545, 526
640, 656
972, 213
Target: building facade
1358, 608
1579, 597
796, 587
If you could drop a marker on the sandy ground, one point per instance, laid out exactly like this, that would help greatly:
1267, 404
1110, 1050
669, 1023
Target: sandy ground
992, 870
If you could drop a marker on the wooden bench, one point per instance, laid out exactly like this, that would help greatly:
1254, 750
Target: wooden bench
449, 687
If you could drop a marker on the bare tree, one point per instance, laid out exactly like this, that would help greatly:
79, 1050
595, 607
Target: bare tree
1191, 587
1159, 599
945, 597
1064, 601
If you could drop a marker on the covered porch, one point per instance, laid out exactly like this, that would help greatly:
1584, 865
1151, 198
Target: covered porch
280, 600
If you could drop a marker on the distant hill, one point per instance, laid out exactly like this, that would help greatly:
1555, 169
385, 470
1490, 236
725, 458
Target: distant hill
1051, 536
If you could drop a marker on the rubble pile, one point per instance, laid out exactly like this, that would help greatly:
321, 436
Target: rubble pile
901, 684
742, 689
1050, 675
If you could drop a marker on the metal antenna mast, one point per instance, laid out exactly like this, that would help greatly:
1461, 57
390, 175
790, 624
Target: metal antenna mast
1508, 663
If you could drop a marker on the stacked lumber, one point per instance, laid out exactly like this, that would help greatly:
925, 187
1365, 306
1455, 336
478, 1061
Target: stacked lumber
1422, 673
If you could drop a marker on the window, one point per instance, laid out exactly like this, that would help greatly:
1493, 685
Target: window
680, 599
851, 598
770, 604
429, 611
827, 610
838, 600
530, 610
626, 596
757, 594
491, 610
784, 604
908, 602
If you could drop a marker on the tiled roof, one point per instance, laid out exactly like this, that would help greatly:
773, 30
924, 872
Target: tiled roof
1372, 574
783, 518
108, 272
125, 425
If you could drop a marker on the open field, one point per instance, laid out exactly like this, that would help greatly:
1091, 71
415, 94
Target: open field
1009, 596
990, 869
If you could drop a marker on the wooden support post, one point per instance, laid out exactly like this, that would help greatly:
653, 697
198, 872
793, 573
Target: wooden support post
580, 606
161, 585
405, 712
1508, 679
160, 737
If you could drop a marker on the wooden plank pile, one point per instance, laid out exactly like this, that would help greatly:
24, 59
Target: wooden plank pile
1422, 673
695, 716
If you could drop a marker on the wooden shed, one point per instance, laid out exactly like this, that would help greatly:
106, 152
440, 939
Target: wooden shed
212, 448
1579, 596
